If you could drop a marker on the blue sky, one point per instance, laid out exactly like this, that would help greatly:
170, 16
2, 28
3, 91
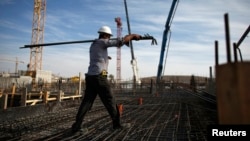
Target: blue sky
196, 25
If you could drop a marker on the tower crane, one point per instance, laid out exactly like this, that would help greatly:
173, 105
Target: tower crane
118, 61
37, 38
37, 35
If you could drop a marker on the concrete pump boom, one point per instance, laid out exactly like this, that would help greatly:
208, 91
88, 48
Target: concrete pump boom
164, 38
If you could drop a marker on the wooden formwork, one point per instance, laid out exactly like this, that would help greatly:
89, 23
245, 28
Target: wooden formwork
32, 98
232, 83
233, 93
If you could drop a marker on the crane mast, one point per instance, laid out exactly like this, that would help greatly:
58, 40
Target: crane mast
118, 59
37, 38
37, 35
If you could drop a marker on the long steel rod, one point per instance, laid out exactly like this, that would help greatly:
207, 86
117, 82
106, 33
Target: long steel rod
146, 37
56, 43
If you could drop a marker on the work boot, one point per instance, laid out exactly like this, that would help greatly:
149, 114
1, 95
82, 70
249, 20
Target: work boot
117, 127
75, 127
117, 124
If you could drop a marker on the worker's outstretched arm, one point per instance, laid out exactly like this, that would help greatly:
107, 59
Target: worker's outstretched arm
130, 37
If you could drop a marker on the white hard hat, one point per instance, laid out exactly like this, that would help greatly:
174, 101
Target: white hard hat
105, 29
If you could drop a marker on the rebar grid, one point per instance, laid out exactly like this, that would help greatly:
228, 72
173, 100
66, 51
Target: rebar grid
175, 115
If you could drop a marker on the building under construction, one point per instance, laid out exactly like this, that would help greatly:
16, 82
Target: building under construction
177, 108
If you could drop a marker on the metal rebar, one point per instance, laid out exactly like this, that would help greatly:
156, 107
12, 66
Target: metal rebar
243, 36
241, 39
176, 116
226, 20
241, 59
235, 52
216, 53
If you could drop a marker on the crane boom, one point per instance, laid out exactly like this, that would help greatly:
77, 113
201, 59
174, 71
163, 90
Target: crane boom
164, 38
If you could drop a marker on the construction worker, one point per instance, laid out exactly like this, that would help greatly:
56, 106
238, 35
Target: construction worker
96, 77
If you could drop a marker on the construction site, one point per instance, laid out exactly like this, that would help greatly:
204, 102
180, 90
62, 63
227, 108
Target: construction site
38, 106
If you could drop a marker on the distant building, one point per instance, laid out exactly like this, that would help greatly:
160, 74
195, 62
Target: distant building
22, 79
8, 79
45, 76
